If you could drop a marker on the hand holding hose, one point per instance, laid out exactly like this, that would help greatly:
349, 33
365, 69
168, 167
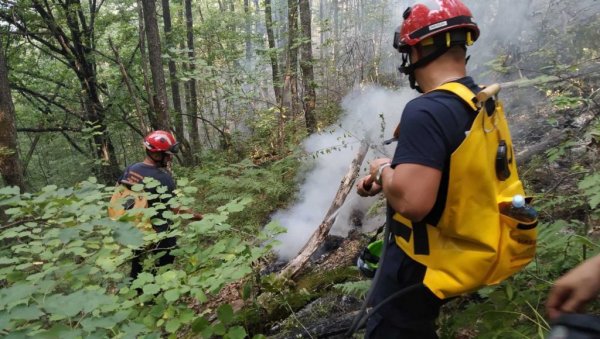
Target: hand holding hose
368, 185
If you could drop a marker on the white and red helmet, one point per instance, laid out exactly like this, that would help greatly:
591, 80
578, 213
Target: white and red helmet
431, 17
161, 141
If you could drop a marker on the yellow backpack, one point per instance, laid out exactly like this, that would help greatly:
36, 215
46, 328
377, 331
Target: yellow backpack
473, 244
125, 200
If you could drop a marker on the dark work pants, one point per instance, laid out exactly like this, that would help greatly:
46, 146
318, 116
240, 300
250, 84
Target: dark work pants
408, 316
165, 245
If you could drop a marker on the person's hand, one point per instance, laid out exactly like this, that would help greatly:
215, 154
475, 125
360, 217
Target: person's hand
374, 166
573, 290
367, 187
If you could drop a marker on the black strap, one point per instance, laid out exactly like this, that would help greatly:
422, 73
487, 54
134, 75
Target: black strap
421, 239
419, 230
401, 230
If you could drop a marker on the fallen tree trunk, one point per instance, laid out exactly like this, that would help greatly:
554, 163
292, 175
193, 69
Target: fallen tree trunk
553, 139
544, 79
296, 264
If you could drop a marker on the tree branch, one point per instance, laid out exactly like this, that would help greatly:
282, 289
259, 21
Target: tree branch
23, 29
73, 143
27, 91
221, 131
49, 129
30, 152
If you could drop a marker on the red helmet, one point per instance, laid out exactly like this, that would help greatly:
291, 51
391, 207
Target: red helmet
161, 141
431, 17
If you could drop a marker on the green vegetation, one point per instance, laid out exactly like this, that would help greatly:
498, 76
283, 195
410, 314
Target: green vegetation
65, 267
84, 96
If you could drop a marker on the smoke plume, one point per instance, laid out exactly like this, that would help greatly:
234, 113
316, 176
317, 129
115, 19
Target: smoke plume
370, 113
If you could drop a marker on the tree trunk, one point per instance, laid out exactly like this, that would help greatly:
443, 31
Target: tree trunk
291, 73
248, 32
144, 66
321, 31
306, 65
10, 164
85, 68
156, 66
193, 97
336, 30
272, 51
77, 48
179, 129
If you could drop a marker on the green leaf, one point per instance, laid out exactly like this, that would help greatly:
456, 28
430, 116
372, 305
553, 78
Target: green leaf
172, 295
61, 331
151, 289
67, 234
137, 188
6, 260
92, 300
200, 324
190, 190
50, 188
186, 316
141, 280
150, 182
219, 329
509, 291
237, 332
128, 235
23, 266
199, 295
23, 312
172, 325
247, 291
62, 306
90, 324
10, 190
19, 293
133, 330
225, 313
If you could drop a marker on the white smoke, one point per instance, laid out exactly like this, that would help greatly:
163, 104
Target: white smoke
366, 110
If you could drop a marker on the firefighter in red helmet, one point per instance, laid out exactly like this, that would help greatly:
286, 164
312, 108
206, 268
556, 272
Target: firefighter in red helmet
160, 148
429, 30
432, 41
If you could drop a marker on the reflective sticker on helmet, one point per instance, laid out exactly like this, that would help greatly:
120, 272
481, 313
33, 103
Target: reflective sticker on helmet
438, 25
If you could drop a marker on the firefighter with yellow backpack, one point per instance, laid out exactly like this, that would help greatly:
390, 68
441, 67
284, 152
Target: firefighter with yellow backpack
160, 148
457, 219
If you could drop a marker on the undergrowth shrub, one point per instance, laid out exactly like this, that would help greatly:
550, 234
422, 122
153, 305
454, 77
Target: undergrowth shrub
270, 186
64, 267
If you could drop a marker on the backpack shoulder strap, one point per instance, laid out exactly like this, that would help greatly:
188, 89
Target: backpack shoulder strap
457, 89
460, 91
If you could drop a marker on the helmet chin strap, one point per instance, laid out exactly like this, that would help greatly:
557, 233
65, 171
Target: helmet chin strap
422, 62
162, 162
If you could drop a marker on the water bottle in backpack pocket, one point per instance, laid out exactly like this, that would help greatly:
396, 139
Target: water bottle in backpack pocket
518, 221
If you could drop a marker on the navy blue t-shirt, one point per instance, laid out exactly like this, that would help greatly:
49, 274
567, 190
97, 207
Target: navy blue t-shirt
432, 127
136, 173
